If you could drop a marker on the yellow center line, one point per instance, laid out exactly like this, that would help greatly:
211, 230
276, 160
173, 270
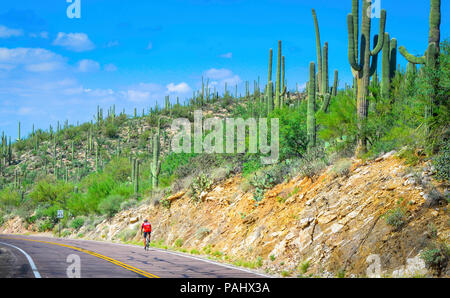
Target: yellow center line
111, 260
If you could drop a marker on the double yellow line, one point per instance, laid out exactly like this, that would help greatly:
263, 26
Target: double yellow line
111, 260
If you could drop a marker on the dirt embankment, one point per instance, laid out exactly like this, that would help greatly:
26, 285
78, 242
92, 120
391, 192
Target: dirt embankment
334, 225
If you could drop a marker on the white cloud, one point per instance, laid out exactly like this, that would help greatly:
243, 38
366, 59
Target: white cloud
31, 59
227, 55
180, 88
110, 67
44, 67
78, 42
137, 96
87, 65
222, 76
6, 32
218, 74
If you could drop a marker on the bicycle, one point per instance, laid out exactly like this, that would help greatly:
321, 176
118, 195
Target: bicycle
147, 242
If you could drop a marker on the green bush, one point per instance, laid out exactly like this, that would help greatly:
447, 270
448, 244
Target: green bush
110, 205
262, 183
111, 130
77, 223
179, 242
126, 235
395, 218
436, 257
200, 184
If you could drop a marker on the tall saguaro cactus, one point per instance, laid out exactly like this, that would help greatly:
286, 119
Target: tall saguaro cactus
310, 116
322, 80
389, 64
362, 70
155, 166
319, 51
278, 83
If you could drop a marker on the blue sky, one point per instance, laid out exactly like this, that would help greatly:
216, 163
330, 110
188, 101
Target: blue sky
133, 53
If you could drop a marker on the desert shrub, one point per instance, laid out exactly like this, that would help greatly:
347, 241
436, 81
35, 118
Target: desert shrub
126, 235
342, 167
304, 267
436, 257
261, 183
50, 191
442, 162
77, 223
178, 242
165, 203
200, 184
110, 205
111, 130
395, 218
128, 204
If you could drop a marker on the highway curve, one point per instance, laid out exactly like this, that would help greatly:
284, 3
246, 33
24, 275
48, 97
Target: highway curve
30, 256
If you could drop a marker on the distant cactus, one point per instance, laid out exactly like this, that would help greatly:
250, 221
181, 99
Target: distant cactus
278, 82
322, 87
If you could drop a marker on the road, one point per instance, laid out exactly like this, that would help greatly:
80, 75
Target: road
31, 256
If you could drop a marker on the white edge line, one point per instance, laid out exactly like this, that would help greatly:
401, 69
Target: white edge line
30, 260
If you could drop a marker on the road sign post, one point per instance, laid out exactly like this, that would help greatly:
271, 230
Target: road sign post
60, 215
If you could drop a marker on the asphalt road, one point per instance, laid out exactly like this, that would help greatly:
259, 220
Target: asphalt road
29, 257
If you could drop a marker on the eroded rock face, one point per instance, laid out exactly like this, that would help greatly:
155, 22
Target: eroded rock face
337, 224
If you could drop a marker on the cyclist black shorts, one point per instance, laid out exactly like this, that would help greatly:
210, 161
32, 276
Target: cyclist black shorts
149, 234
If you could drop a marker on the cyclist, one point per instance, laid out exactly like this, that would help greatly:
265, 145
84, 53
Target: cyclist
147, 229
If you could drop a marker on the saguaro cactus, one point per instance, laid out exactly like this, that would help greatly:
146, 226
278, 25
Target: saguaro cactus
322, 79
389, 64
362, 71
310, 117
430, 57
155, 166
319, 51
278, 83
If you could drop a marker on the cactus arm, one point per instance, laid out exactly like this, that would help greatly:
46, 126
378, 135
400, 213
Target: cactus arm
393, 57
351, 45
435, 23
355, 19
326, 102
270, 65
319, 51
380, 42
374, 64
411, 58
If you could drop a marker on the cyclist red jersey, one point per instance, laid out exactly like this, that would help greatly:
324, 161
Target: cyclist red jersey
146, 227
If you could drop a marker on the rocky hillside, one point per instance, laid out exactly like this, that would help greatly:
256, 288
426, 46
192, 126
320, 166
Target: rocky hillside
379, 218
